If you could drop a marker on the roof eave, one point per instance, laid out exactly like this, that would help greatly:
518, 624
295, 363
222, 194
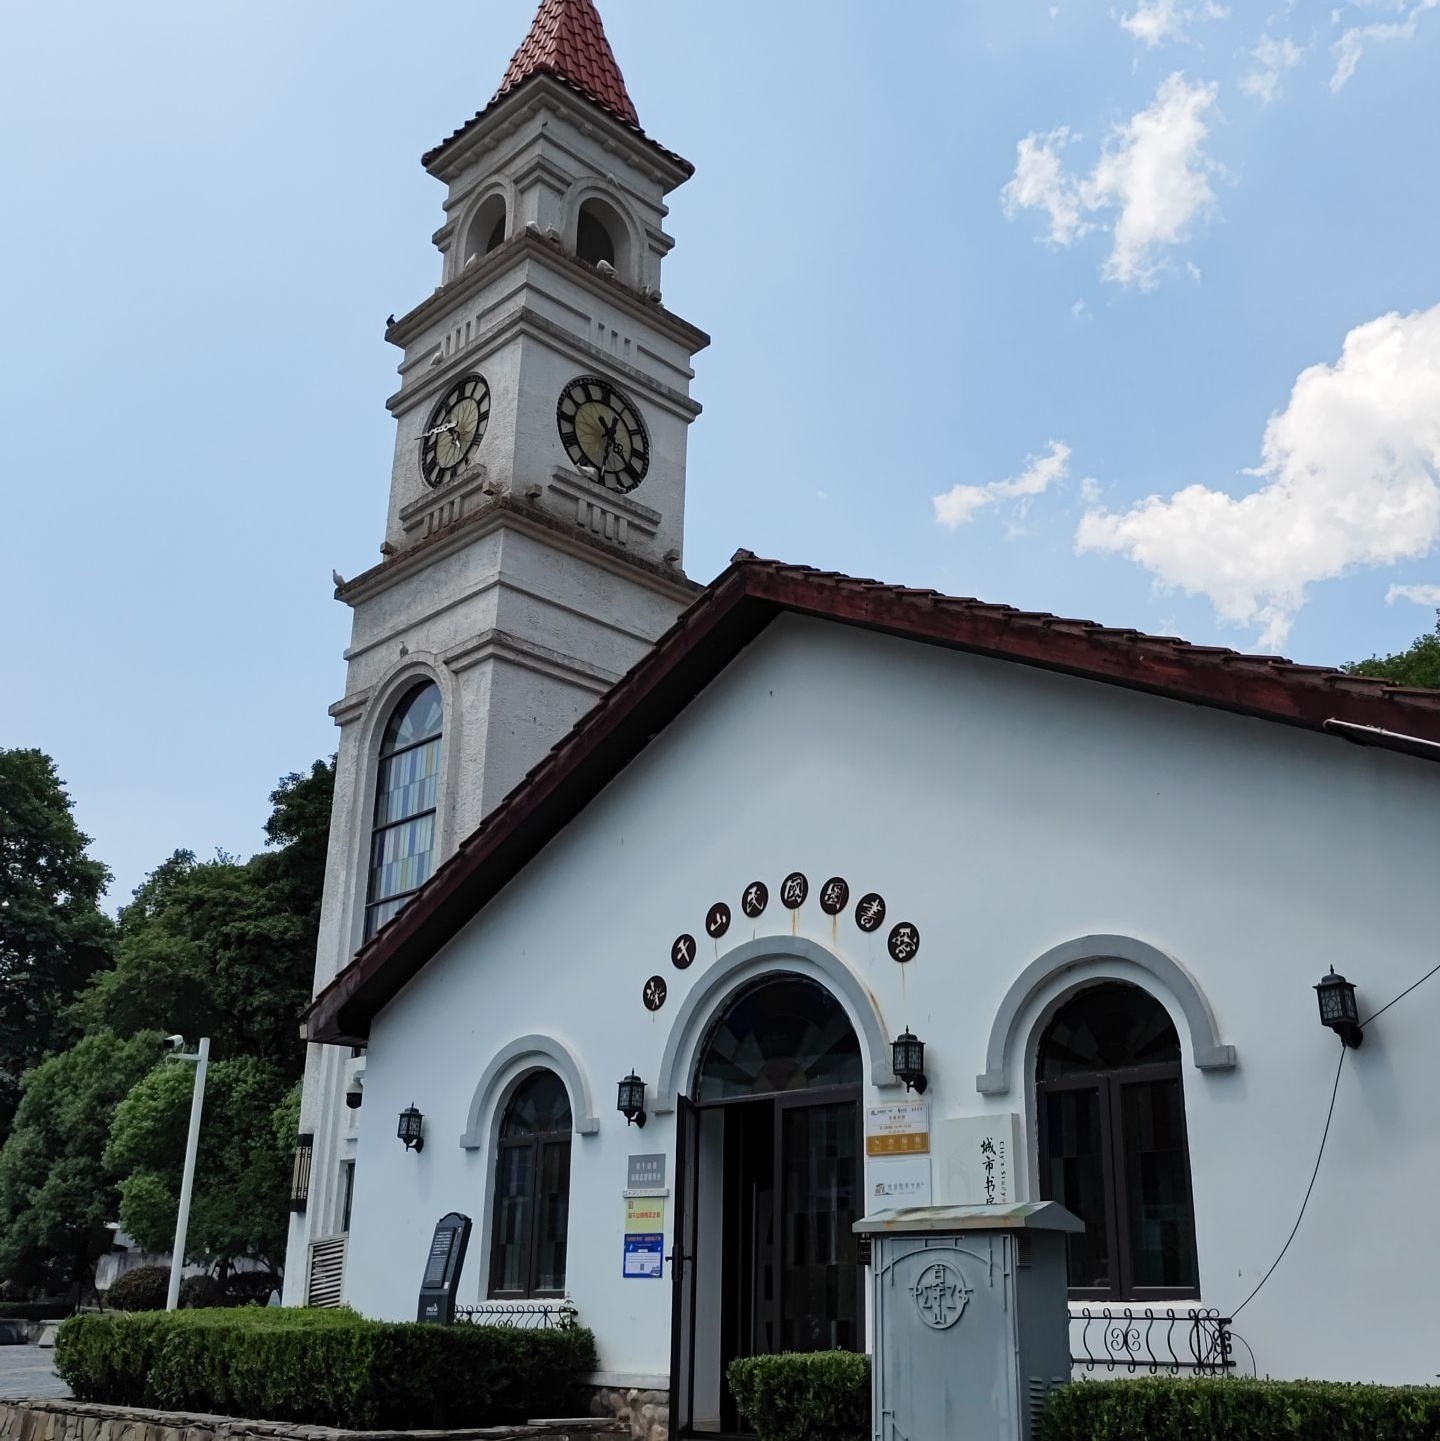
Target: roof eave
444, 160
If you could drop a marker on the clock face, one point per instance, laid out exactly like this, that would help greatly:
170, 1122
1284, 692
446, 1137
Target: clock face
455, 429
602, 431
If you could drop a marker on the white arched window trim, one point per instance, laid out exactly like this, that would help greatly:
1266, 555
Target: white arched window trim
508, 1067
1047, 982
770, 956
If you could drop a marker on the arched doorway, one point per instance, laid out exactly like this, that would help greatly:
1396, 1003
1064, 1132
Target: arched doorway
770, 1173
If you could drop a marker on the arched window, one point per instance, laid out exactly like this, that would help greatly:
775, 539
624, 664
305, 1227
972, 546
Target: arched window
1113, 1148
785, 1034
594, 240
487, 229
532, 1191
402, 845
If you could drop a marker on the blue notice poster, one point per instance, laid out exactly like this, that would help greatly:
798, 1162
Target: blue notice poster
644, 1256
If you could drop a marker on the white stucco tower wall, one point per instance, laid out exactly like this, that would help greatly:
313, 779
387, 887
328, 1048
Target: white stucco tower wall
520, 585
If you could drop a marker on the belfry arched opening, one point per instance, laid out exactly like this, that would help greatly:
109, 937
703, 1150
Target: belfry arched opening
770, 1164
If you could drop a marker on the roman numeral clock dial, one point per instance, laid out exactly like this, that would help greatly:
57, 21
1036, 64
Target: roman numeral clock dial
455, 429
602, 432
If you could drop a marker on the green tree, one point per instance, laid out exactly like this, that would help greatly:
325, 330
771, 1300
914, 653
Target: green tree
56, 1193
242, 1171
1419, 665
53, 935
225, 948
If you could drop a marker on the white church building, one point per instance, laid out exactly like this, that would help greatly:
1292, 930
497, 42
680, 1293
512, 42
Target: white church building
722, 858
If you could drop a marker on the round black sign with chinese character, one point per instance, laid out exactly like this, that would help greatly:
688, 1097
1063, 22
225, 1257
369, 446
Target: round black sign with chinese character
654, 993
904, 941
682, 953
834, 896
793, 890
755, 899
717, 920
870, 912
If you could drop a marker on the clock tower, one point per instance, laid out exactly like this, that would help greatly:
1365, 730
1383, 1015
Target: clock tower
533, 549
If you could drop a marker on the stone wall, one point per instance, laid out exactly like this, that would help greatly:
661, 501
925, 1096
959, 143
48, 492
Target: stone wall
88, 1421
645, 1413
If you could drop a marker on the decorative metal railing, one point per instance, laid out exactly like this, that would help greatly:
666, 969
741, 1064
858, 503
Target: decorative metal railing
557, 1315
1133, 1339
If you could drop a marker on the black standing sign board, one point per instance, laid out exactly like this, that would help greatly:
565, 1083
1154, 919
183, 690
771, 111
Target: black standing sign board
442, 1269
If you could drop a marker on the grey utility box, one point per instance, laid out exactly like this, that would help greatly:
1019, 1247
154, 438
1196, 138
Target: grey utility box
971, 1323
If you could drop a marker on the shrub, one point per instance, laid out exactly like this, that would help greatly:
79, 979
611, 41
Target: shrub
1171, 1409
146, 1288
804, 1396
201, 1291
51, 1310
249, 1288
321, 1367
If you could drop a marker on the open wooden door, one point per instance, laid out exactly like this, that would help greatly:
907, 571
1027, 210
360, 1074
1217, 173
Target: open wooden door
683, 1269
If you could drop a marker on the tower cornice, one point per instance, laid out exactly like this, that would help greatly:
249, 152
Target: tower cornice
500, 119
503, 512
412, 325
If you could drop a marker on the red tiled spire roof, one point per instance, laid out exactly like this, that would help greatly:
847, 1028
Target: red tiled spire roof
568, 40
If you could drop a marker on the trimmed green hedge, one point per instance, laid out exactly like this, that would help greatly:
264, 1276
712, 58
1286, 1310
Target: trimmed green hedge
1169, 1409
804, 1396
322, 1367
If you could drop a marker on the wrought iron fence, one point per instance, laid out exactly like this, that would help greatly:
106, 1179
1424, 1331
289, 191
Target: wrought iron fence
1132, 1339
558, 1315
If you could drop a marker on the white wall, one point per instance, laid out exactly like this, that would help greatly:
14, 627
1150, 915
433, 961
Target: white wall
1004, 810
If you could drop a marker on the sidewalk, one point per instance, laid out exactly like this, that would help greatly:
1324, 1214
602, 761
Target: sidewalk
28, 1373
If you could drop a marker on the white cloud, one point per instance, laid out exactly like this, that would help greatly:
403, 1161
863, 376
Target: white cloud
1158, 21
1152, 179
1352, 478
1349, 48
958, 505
1420, 594
1040, 183
1272, 58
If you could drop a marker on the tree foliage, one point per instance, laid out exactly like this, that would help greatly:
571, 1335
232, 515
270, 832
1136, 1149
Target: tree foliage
53, 934
224, 948
242, 1172
1418, 665
56, 1192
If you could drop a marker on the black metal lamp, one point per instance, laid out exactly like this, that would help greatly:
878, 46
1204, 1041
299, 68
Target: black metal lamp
631, 1100
908, 1061
1338, 1009
412, 1125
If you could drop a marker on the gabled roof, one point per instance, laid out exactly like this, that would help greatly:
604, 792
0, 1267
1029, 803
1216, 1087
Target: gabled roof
730, 614
567, 41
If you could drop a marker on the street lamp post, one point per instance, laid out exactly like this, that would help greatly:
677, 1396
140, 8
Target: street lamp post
201, 1060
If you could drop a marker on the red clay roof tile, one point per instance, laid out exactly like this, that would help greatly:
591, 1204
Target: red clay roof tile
568, 40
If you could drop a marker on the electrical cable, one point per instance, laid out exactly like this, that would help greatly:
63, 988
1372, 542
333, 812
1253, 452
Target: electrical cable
1400, 997
1325, 1135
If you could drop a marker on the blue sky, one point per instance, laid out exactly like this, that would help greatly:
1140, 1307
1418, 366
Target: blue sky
1130, 313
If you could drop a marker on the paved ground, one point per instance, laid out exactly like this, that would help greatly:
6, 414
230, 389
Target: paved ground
28, 1373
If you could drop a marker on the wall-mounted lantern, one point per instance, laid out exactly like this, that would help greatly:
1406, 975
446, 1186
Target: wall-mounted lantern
411, 1130
631, 1100
1338, 1009
908, 1061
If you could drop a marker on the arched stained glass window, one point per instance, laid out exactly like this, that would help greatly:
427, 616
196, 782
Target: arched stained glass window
1113, 1147
402, 845
532, 1191
787, 1034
